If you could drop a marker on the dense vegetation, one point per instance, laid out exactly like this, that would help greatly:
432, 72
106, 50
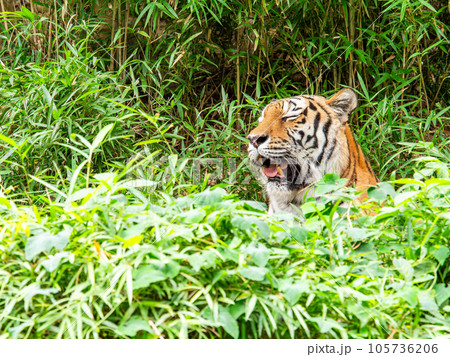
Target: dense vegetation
126, 205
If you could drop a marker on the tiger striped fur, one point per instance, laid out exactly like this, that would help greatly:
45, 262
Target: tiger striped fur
300, 139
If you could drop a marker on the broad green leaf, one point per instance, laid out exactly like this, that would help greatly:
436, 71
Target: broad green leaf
134, 325
339, 271
311, 207
428, 5
133, 240
386, 212
45, 241
138, 183
299, 233
406, 181
292, 292
250, 223
9, 141
409, 294
193, 216
134, 231
210, 197
80, 194
129, 284
152, 273
255, 206
253, 273
34, 290
250, 306
210, 257
5, 202
74, 177
170, 269
196, 260
326, 324
143, 34
100, 136
87, 310
238, 309
357, 234
424, 267
27, 14
441, 254
148, 142
442, 293
15, 331
47, 95
53, 261
377, 194
329, 183
404, 267
438, 181
191, 38
360, 312
220, 275
427, 301
259, 253
404, 197
228, 322
146, 275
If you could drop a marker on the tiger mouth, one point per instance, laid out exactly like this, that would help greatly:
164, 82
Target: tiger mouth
278, 169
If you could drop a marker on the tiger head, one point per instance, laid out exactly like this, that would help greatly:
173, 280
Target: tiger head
298, 140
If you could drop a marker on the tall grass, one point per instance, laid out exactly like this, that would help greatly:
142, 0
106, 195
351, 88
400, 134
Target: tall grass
203, 68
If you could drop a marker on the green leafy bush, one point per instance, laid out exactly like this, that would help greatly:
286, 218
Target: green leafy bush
107, 262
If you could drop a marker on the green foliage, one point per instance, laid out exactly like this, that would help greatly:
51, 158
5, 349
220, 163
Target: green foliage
114, 264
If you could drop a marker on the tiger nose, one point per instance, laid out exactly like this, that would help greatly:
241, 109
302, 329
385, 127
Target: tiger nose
257, 140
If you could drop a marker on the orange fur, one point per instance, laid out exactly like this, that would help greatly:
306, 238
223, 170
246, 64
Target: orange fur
312, 134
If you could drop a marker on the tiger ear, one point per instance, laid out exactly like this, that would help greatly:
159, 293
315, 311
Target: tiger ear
344, 103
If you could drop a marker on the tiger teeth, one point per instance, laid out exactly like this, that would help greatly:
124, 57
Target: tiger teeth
280, 172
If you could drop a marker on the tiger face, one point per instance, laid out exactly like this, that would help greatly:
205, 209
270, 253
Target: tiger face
300, 139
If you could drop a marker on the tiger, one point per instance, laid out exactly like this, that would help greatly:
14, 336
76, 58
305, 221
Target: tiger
300, 139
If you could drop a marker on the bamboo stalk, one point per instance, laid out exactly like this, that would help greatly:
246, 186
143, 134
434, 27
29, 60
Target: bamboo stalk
238, 75
352, 25
127, 16
56, 23
113, 30
49, 33
119, 28
6, 26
